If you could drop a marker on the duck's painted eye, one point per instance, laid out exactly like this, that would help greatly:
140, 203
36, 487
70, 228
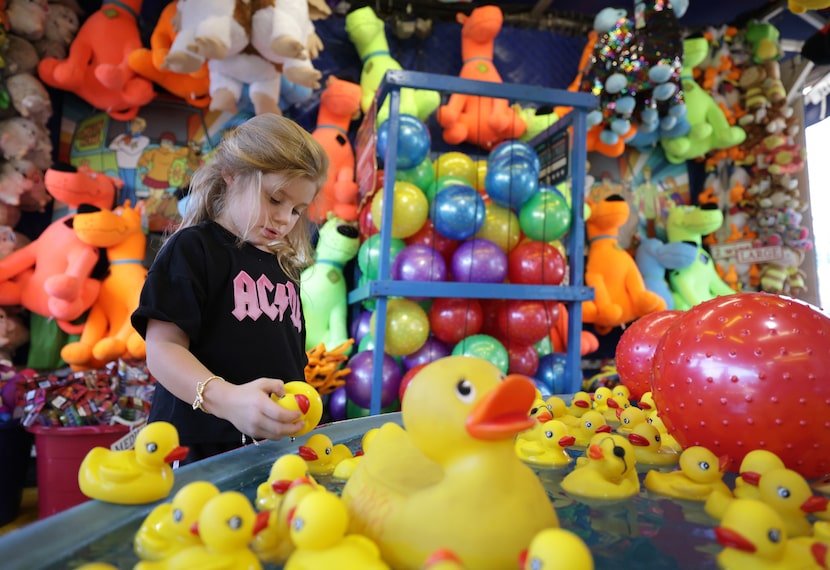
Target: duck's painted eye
152, 447
328, 451
704, 465
598, 396
774, 535
534, 411
298, 524
627, 421
657, 438
466, 391
783, 492
235, 523
548, 434
178, 515
589, 424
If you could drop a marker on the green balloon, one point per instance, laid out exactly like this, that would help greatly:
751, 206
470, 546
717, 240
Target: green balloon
422, 176
544, 346
486, 347
368, 256
546, 216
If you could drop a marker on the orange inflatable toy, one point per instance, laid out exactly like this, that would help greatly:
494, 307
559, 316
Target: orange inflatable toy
52, 275
96, 68
194, 87
339, 106
108, 333
484, 121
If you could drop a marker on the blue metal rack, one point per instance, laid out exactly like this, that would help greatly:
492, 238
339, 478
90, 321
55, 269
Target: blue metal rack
571, 295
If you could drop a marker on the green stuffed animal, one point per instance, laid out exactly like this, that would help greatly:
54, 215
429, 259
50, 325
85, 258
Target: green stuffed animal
368, 34
710, 129
323, 291
699, 281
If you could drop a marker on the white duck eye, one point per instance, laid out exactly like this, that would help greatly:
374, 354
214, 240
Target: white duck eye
178, 515
298, 524
774, 535
704, 465
548, 434
152, 447
235, 523
589, 424
783, 492
466, 391
328, 451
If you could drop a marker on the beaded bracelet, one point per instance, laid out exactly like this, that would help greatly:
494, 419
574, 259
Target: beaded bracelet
200, 392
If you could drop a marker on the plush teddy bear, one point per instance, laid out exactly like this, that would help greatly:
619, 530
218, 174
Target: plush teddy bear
22, 138
27, 18
21, 184
29, 97
20, 56
59, 30
783, 276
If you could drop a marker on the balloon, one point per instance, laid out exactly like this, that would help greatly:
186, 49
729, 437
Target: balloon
360, 326
366, 227
480, 261
454, 319
746, 371
481, 176
511, 184
551, 372
419, 263
433, 349
413, 141
523, 359
524, 321
422, 176
359, 379
501, 226
337, 404
407, 378
407, 327
515, 151
444, 181
355, 411
409, 209
368, 256
545, 216
535, 263
457, 211
486, 347
368, 341
634, 353
428, 236
456, 164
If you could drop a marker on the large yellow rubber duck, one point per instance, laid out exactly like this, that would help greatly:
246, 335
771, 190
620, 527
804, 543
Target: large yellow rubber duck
167, 529
546, 445
304, 398
460, 416
700, 473
752, 468
443, 559
318, 529
285, 470
608, 470
134, 476
753, 536
556, 548
649, 448
273, 544
591, 423
226, 525
322, 455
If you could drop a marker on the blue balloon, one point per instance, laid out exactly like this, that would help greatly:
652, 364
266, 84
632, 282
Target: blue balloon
551, 372
515, 151
511, 183
413, 141
457, 212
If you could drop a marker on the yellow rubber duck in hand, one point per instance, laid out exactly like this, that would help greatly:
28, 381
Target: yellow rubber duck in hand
700, 473
608, 470
460, 417
134, 476
304, 398
556, 548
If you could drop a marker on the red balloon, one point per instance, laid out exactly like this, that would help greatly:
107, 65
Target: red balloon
524, 321
407, 378
454, 319
490, 310
366, 226
535, 263
635, 350
523, 359
428, 235
748, 371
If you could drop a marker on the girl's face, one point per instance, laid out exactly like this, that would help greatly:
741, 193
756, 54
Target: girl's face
278, 207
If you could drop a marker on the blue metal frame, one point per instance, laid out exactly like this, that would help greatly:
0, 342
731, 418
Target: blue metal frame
572, 295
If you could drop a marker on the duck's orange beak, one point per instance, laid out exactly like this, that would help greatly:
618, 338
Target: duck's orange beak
544, 417
261, 521
729, 538
178, 454
582, 404
567, 441
637, 439
302, 402
751, 477
307, 453
815, 504
723, 463
280, 486
503, 412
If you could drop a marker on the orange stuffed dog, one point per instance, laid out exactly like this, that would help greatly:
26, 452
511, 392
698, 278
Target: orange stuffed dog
484, 121
108, 333
96, 68
620, 294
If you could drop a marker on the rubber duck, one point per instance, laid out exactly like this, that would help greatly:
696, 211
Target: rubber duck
460, 416
752, 468
753, 536
273, 544
559, 410
668, 439
304, 398
591, 423
646, 402
622, 391
600, 399
167, 529
322, 455
443, 559
700, 473
648, 446
346, 467
580, 403
226, 525
285, 469
630, 418
608, 470
545, 446
540, 411
556, 548
318, 528
134, 476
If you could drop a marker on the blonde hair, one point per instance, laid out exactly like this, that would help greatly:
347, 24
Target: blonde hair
266, 143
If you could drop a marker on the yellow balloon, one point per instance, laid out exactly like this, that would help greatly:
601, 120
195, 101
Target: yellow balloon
456, 163
481, 174
409, 209
407, 327
501, 226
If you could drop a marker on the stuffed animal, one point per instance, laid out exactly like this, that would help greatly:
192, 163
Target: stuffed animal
108, 333
620, 294
29, 97
193, 87
27, 18
97, 70
368, 34
801, 6
339, 106
20, 56
323, 285
13, 334
784, 276
22, 180
653, 258
207, 29
22, 138
59, 30
699, 281
483, 121
53, 275
710, 129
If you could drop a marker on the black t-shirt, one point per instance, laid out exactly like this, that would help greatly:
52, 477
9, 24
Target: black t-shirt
241, 312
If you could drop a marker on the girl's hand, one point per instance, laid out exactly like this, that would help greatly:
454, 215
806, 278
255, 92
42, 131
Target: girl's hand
251, 410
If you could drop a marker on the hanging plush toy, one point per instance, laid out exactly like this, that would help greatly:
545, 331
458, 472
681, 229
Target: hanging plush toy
96, 69
801, 6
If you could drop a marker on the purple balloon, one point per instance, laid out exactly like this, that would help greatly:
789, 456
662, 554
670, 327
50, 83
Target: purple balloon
433, 349
359, 380
360, 326
479, 260
419, 262
337, 404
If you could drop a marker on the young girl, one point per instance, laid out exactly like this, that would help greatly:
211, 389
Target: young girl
220, 309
